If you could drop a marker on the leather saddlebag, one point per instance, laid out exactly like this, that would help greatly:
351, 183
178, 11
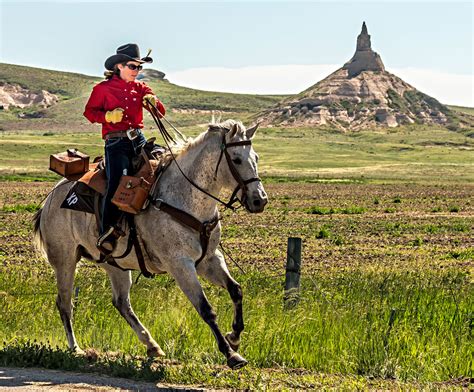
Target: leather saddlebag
69, 163
131, 194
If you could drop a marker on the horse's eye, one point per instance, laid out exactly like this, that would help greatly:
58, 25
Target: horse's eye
237, 161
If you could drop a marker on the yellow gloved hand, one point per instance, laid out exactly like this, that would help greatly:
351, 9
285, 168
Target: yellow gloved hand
149, 98
114, 116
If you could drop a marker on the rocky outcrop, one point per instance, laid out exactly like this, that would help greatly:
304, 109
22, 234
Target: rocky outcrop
364, 59
15, 95
150, 74
361, 94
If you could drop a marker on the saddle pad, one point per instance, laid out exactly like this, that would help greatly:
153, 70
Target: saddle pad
80, 198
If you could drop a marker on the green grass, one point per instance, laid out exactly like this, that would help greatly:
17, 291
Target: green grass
312, 155
384, 297
30, 207
405, 326
331, 210
26, 354
64, 84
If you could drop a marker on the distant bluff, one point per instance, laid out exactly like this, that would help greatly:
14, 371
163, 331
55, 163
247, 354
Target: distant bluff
361, 94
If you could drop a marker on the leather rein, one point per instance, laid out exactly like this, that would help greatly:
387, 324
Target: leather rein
204, 229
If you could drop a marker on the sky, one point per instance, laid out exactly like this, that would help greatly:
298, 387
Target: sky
261, 47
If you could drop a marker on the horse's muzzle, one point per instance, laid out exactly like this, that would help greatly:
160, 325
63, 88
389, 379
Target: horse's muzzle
256, 201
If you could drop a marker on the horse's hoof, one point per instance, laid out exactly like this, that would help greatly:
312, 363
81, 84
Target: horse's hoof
234, 345
155, 352
236, 361
78, 352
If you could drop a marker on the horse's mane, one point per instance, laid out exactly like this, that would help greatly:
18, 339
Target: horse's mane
181, 148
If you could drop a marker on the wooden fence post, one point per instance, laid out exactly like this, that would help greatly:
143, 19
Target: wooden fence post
293, 270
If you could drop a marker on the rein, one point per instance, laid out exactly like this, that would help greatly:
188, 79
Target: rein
242, 184
204, 229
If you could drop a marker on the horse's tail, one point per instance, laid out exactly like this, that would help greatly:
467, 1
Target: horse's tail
37, 237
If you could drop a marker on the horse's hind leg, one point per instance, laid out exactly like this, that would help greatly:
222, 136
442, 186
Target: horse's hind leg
65, 268
121, 282
185, 275
215, 270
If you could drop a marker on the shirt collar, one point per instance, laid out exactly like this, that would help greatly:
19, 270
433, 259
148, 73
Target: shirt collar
118, 79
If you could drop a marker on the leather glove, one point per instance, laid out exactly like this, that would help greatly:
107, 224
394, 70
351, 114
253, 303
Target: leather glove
114, 116
151, 98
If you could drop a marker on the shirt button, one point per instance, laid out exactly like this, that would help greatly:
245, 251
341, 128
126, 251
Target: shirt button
126, 98
134, 99
126, 107
125, 90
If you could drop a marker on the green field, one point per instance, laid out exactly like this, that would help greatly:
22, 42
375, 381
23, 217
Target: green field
386, 217
411, 154
386, 290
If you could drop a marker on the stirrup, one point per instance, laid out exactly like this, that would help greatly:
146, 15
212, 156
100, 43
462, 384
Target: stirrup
106, 242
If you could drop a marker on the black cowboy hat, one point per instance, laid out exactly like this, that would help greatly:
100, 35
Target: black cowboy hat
127, 52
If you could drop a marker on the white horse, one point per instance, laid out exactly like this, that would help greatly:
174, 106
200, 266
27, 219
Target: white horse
170, 245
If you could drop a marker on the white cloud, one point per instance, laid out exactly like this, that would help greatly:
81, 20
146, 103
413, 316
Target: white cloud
448, 88
272, 79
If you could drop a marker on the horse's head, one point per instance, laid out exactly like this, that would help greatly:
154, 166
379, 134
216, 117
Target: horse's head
241, 161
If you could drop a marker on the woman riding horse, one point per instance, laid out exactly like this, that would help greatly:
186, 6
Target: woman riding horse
116, 103
220, 158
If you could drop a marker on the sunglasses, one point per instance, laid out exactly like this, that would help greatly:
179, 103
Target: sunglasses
134, 67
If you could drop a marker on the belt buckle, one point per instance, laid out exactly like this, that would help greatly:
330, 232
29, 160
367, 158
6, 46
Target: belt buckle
132, 134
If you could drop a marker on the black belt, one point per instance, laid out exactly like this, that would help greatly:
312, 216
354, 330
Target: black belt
129, 133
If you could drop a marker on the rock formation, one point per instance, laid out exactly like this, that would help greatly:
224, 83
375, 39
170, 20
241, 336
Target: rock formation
14, 95
364, 59
149, 74
361, 94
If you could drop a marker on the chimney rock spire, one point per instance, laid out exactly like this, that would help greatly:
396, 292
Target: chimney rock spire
364, 59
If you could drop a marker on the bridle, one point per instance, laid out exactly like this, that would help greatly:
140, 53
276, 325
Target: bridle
241, 183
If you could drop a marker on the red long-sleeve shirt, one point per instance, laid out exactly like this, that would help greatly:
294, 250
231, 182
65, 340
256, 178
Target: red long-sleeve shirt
117, 93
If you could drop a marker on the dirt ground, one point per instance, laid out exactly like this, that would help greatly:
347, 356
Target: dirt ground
31, 379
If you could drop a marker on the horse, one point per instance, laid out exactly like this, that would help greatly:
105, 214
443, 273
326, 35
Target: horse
196, 173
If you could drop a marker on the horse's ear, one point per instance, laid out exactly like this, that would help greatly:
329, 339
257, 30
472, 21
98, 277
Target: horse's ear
233, 131
250, 133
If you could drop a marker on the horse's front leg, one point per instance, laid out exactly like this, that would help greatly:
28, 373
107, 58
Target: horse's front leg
121, 282
185, 275
215, 271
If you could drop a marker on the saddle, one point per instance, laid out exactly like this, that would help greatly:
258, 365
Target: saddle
91, 186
